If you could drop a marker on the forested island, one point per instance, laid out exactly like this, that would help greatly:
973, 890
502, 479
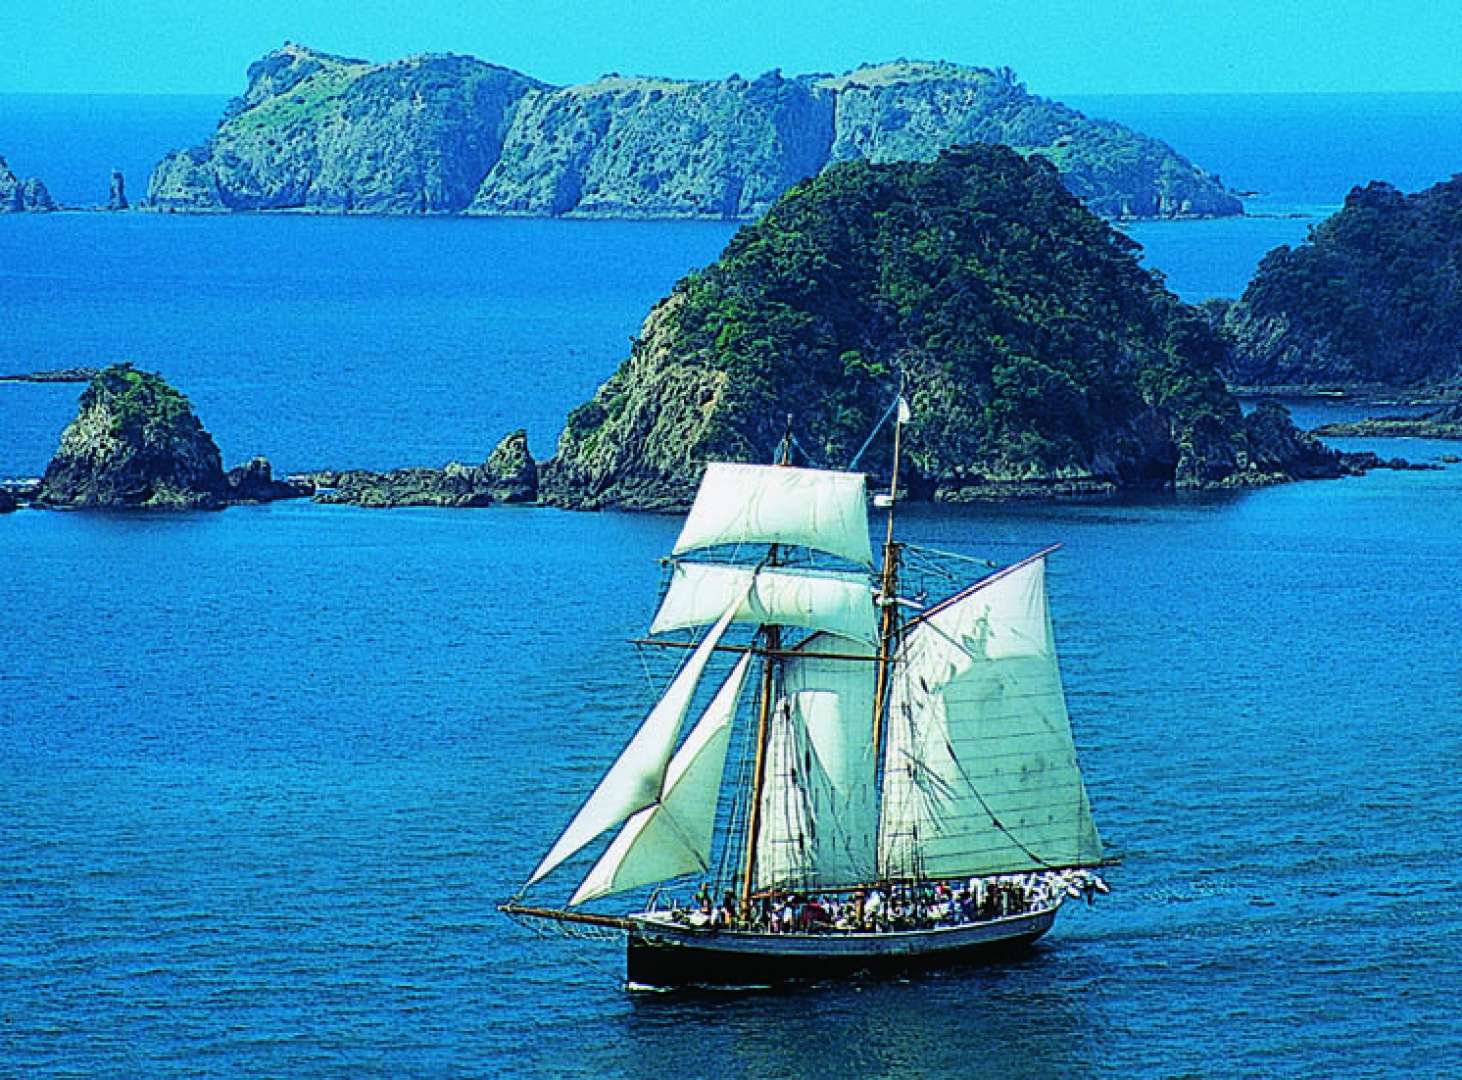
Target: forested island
452, 134
1037, 354
1372, 299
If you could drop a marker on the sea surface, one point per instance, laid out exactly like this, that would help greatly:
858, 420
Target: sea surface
265, 773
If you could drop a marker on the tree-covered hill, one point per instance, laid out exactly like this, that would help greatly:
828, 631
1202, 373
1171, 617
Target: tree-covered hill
1039, 356
1374, 296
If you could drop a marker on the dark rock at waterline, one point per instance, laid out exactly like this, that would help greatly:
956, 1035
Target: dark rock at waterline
55, 375
509, 475
7, 502
117, 192
254, 482
1443, 423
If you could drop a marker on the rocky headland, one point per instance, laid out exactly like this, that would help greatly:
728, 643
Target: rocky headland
1370, 303
136, 444
448, 134
1037, 354
22, 196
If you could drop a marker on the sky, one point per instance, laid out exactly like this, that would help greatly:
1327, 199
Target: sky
1055, 46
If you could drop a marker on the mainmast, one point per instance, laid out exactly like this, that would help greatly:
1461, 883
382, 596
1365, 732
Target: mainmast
764, 712
888, 590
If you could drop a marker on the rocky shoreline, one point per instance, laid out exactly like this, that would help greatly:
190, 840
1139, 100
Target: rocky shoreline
1444, 423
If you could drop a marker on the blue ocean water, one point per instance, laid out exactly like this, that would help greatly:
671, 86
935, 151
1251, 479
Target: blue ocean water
264, 773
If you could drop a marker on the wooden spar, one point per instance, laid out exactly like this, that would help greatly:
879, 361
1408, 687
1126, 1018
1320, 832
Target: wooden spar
764, 712
614, 921
888, 624
777, 653
763, 723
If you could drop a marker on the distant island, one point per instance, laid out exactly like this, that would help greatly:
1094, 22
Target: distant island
19, 196
452, 134
1039, 357
1372, 299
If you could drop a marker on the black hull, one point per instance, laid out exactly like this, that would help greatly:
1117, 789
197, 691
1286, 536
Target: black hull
663, 957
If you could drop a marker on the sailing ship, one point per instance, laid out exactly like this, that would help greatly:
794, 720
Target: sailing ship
904, 772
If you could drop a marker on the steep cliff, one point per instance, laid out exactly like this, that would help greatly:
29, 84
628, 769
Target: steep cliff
1040, 358
442, 133
1373, 296
22, 196
335, 134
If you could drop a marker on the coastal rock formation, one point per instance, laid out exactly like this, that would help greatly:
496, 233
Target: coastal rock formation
254, 483
135, 443
21, 196
1372, 298
509, 475
448, 133
1443, 423
1039, 357
54, 375
335, 134
7, 502
117, 192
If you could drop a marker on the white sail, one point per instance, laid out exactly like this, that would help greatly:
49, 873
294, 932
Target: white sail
634, 780
777, 504
673, 836
817, 600
980, 772
819, 815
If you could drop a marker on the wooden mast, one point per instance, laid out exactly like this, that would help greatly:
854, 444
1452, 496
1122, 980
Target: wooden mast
763, 723
888, 589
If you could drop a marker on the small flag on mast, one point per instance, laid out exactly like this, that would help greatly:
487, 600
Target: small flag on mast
904, 414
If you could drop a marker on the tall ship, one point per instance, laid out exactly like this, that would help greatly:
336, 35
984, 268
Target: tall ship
873, 781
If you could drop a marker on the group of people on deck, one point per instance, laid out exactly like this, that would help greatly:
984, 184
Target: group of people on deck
891, 906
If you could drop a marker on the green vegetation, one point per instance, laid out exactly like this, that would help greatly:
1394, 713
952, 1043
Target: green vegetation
1034, 345
1373, 296
140, 403
303, 103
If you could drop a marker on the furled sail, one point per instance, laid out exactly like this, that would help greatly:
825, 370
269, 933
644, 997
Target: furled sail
635, 780
817, 600
819, 815
778, 504
980, 771
673, 836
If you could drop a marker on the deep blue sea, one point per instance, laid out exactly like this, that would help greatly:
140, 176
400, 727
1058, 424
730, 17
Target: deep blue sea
264, 773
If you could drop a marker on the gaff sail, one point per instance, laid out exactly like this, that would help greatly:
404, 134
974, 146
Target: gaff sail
980, 773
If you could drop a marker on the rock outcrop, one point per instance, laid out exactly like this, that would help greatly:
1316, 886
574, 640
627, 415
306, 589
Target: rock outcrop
509, 475
450, 133
117, 192
1039, 357
22, 196
1372, 298
136, 444
1443, 423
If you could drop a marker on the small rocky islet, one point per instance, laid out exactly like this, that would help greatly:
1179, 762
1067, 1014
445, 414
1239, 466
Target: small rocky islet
452, 134
19, 196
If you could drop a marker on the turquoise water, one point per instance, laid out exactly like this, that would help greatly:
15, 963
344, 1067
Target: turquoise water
266, 772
